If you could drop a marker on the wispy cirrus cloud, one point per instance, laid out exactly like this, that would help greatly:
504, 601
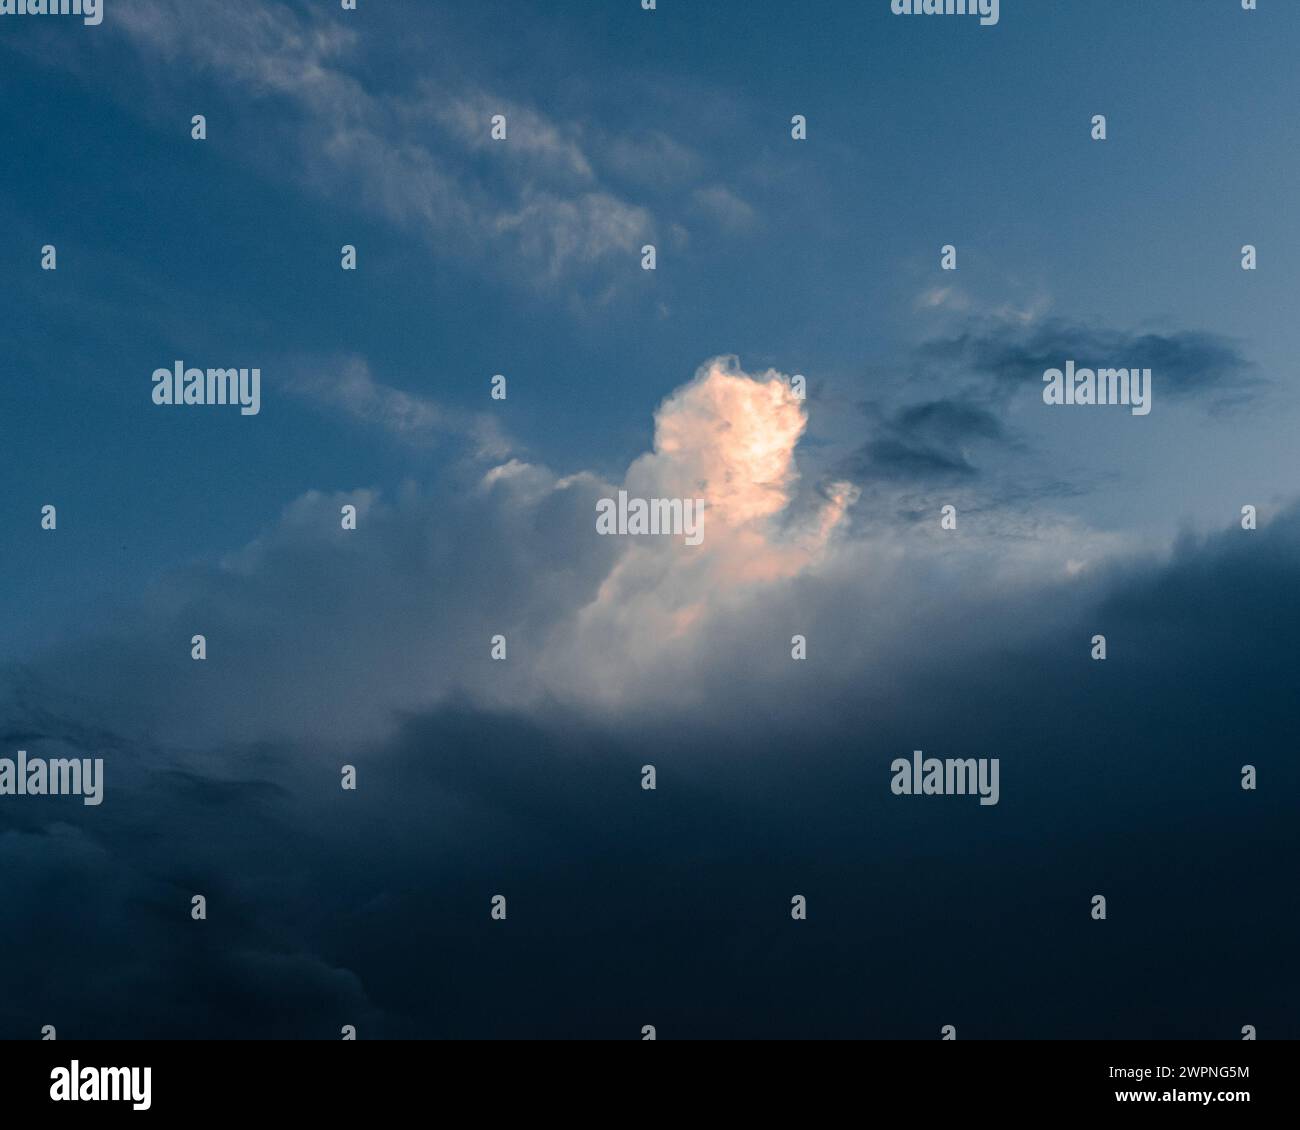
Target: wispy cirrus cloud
726, 209
413, 158
553, 195
347, 385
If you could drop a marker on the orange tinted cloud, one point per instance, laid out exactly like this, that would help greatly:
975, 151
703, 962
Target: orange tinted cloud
729, 438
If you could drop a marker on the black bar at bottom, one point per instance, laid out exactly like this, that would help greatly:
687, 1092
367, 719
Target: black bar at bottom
368, 1078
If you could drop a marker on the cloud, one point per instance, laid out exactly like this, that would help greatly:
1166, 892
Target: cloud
324, 906
334, 636
729, 438
371, 648
1193, 365
930, 441
725, 208
942, 298
547, 145
421, 159
558, 233
652, 158
476, 777
586, 612
346, 384
954, 422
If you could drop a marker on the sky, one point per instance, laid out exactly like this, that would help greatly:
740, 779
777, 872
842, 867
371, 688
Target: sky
775, 257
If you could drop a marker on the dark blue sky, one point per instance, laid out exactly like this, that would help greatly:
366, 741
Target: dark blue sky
522, 257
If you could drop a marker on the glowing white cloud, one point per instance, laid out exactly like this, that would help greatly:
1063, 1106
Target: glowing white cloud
729, 438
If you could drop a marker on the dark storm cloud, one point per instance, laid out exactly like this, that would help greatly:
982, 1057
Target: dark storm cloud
672, 907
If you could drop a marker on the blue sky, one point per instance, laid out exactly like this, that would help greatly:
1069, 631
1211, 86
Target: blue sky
920, 134
522, 257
